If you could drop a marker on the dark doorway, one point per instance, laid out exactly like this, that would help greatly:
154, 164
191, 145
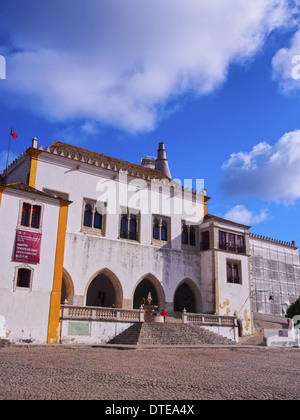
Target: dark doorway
184, 299
64, 293
142, 291
101, 292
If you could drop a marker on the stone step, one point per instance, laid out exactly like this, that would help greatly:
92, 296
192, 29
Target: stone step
169, 334
129, 336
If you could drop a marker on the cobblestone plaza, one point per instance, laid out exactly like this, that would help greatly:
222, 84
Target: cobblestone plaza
34, 373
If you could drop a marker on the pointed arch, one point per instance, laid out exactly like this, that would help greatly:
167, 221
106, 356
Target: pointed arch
115, 282
158, 288
188, 286
67, 288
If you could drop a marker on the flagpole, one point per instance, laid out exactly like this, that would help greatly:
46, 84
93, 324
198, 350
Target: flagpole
8, 153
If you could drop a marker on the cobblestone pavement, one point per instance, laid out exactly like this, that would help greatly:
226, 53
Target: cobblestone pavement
158, 374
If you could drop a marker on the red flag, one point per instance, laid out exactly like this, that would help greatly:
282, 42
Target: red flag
12, 133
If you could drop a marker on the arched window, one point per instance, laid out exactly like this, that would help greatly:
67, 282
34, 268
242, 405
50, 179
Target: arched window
129, 228
123, 228
185, 235
98, 218
88, 215
164, 231
161, 226
93, 217
189, 236
133, 227
155, 229
192, 236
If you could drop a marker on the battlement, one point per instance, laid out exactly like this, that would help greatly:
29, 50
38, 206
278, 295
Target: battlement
274, 241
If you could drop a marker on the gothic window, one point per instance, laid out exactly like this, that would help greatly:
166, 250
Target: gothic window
129, 225
133, 227
188, 236
124, 224
192, 236
98, 218
161, 230
155, 229
164, 231
88, 215
185, 235
93, 217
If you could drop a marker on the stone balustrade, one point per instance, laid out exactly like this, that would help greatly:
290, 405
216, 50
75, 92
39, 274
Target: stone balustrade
88, 313
207, 319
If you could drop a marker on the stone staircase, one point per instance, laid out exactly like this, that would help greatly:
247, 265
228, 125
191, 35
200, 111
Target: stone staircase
168, 334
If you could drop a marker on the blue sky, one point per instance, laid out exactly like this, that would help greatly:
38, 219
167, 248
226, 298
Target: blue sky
214, 79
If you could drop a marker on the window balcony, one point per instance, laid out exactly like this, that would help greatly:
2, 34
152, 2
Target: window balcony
230, 247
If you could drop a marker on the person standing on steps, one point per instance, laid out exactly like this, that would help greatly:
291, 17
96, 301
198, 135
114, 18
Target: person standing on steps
164, 314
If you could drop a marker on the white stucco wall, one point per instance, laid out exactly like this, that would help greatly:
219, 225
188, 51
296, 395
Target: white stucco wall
93, 332
235, 298
87, 255
26, 311
130, 261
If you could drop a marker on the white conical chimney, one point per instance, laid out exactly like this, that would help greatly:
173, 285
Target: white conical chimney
161, 163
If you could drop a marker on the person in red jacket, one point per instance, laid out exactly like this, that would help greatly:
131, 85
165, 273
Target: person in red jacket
164, 314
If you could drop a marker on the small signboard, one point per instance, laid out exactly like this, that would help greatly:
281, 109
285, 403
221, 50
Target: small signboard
79, 328
283, 333
28, 246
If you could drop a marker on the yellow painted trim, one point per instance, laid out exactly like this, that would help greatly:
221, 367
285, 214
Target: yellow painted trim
58, 274
206, 199
33, 154
216, 276
33, 170
2, 188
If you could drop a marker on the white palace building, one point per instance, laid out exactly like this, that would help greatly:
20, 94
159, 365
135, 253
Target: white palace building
87, 237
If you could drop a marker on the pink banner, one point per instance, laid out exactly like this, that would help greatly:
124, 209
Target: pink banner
28, 246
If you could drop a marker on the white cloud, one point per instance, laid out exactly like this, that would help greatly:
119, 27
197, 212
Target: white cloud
120, 62
286, 68
250, 160
77, 134
269, 172
240, 214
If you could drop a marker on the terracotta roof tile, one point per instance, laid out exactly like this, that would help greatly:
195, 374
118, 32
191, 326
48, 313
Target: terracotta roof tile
78, 153
20, 186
